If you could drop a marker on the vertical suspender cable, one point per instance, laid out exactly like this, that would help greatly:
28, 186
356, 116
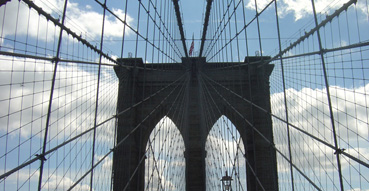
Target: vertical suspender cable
257, 21
329, 98
97, 97
56, 59
124, 28
285, 98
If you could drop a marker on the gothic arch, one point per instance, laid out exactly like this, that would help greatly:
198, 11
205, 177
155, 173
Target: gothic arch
222, 133
194, 131
150, 125
239, 122
154, 160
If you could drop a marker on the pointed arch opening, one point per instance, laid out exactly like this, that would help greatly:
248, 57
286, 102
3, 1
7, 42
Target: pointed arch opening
225, 153
165, 162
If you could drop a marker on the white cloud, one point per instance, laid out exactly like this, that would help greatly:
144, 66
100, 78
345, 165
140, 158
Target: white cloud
85, 20
75, 91
358, 189
303, 8
25, 22
23, 175
250, 4
308, 110
107, 162
28, 179
81, 20
61, 183
306, 107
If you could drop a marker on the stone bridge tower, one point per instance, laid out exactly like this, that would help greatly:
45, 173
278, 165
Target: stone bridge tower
250, 80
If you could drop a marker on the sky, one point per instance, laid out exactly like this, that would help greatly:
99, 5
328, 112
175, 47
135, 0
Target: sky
76, 88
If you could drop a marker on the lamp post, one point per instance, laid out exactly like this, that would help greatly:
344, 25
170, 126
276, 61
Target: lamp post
226, 182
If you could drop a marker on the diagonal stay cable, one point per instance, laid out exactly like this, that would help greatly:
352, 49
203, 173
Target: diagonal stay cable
135, 31
238, 147
180, 25
211, 47
235, 140
337, 150
28, 56
155, 135
152, 149
13, 54
38, 157
302, 38
84, 41
40, 11
164, 25
152, 174
209, 118
155, 161
159, 28
124, 138
326, 50
238, 33
216, 106
267, 61
206, 23
262, 136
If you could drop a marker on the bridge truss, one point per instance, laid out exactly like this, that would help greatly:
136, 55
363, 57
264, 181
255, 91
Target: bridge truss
58, 98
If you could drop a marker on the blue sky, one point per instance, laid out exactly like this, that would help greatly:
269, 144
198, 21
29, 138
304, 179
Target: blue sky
347, 71
86, 16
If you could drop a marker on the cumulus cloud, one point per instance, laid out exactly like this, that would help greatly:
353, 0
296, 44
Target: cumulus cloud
61, 183
86, 20
23, 175
24, 95
308, 110
107, 162
28, 179
357, 189
81, 20
14, 22
302, 8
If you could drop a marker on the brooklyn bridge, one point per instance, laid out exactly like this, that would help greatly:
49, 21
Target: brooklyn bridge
169, 95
